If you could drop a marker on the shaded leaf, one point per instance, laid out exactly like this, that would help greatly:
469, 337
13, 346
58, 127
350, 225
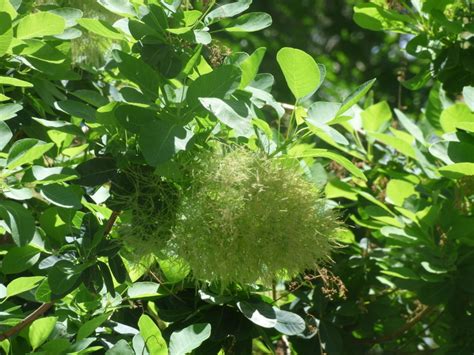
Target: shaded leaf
217, 84
260, 313
250, 22
289, 323
19, 220
186, 340
20, 259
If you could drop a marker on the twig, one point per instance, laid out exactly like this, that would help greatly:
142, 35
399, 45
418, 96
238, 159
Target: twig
402, 330
111, 222
27, 321
425, 328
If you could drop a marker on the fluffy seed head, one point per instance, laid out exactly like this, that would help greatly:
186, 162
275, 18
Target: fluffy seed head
247, 217
150, 204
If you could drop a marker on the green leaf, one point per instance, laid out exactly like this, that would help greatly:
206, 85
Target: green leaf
456, 114
23, 284
226, 11
19, 220
301, 71
120, 348
5, 135
120, 7
151, 334
133, 118
399, 190
186, 340
217, 84
410, 126
77, 109
321, 112
396, 143
234, 114
418, 81
376, 18
430, 5
100, 28
96, 171
251, 22
25, 151
260, 313
62, 196
468, 93
174, 270
434, 106
345, 236
6, 33
337, 188
118, 268
456, 171
64, 277
324, 153
140, 73
375, 118
143, 290
401, 273
69, 14
6, 6
20, 259
6, 80
90, 326
107, 277
157, 141
43, 292
433, 269
289, 323
355, 97
331, 340
8, 111
40, 24
250, 67
40, 330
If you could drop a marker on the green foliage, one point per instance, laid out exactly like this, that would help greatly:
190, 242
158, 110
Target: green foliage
156, 197
441, 37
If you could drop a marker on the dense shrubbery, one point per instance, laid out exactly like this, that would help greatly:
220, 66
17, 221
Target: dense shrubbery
156, 198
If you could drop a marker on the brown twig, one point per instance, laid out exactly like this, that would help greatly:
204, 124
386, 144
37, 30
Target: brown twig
46, 306
111, 222
427, 310
27, 321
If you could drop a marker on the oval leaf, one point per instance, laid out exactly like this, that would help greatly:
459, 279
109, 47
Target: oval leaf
186, 340
301, 71
40, 24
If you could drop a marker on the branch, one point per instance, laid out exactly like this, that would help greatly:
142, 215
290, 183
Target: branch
27, 321
427, 310
46, 306
111, 222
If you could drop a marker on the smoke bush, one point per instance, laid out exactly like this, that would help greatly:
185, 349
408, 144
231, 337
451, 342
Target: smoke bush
247, 217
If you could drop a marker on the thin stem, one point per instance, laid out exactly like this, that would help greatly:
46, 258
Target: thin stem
46, 306
427, 310
27, 321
